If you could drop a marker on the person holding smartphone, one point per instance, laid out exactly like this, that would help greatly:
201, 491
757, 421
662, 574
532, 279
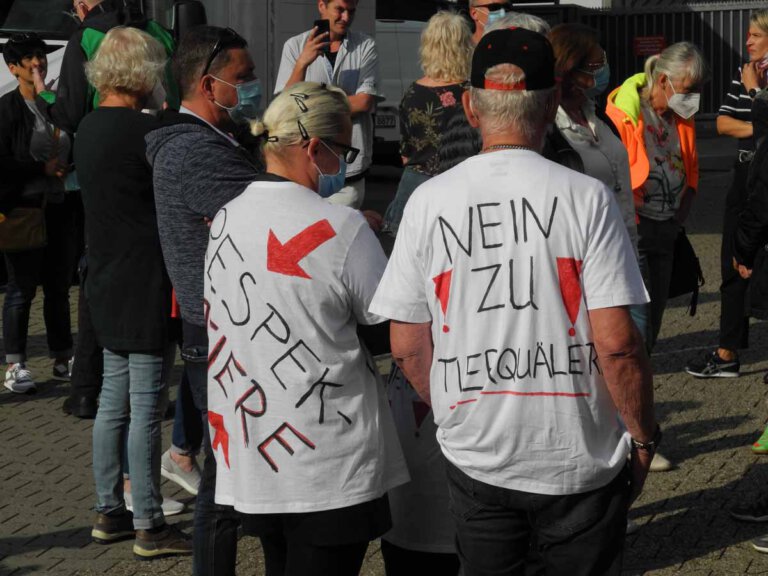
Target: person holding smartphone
330, 53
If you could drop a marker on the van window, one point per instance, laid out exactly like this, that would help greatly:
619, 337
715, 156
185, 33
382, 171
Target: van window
49, 18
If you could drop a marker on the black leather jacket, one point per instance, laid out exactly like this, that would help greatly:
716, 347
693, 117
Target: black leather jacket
16, 163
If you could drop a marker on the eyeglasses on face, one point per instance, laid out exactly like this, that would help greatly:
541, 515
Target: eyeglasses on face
227, 37
349, 152
593, 68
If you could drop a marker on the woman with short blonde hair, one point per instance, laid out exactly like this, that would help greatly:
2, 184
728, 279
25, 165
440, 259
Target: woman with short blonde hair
128, 60
129, 294
305, 414
429, 103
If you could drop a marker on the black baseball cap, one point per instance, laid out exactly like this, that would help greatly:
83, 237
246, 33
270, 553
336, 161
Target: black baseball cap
529, 51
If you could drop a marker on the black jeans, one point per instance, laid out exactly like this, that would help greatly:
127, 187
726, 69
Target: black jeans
402, 562
502, 531
283, 557
734, 321
215, 526
51, 266
88, 368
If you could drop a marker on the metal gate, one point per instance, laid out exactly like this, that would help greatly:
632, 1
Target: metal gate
719, 30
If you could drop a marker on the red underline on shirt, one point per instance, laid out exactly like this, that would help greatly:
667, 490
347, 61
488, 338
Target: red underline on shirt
513, 393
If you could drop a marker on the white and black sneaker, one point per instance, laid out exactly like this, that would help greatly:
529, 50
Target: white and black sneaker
19, 380
712, 366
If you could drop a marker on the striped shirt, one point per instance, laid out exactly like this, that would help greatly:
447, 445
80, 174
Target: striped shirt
738, 104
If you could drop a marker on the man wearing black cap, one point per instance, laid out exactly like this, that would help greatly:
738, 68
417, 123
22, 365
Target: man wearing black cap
508, 290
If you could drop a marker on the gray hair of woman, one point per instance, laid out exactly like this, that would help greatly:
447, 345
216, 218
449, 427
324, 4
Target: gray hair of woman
446, 47
303, 111
681, 61
128, 61
521, 20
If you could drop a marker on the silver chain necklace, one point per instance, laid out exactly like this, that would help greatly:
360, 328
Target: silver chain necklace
507, 147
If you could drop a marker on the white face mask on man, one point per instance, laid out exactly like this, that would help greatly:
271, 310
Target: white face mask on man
684, 105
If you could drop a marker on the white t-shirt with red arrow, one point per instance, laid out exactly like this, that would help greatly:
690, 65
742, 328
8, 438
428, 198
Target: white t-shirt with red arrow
298, 417
505, 254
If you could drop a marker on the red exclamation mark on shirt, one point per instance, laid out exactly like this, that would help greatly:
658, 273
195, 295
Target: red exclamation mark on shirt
568, 272
443, 291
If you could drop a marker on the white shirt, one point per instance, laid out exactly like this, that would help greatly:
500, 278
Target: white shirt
505, 254
604, 157
298, 415
356, 72
185, 110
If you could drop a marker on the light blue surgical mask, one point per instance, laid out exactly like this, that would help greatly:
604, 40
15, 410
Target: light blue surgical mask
495, 16
248, 104
330, 184
602, 79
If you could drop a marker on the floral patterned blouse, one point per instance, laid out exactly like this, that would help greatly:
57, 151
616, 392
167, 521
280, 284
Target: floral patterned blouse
424, 115
666, 176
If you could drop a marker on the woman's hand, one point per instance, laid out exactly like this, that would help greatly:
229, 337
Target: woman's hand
375, 220
750, 76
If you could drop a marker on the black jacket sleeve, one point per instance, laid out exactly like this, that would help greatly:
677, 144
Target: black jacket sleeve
752, 230
71, 103
16, 165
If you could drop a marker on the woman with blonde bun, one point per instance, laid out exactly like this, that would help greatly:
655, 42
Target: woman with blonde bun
305, 445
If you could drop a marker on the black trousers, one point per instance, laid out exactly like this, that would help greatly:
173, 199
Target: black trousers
502, 531
734, 321
88, 367
402, 562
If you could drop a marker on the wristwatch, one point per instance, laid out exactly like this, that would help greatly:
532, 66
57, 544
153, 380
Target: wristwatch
650, 446
752, 93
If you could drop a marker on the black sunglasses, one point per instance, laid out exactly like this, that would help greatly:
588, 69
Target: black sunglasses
350, 152
496, 6
227, 37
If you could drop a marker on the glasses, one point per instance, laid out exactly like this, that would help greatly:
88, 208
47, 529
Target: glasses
349, 152
495, 6
227, 37
594, 68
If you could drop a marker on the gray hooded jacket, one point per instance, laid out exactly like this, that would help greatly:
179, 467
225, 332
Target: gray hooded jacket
196, 171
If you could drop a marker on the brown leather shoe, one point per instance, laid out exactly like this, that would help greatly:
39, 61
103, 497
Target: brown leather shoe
170, 541
112, 528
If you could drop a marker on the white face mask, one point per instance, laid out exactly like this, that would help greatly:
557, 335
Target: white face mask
684, 105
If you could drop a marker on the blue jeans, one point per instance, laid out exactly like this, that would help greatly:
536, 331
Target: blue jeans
187, 423
133, 400
409, 181
215, 533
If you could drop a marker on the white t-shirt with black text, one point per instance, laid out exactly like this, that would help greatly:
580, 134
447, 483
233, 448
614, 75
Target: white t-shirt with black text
298, 415
505, 254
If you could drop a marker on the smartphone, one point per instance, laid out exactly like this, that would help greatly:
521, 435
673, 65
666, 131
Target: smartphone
323, 27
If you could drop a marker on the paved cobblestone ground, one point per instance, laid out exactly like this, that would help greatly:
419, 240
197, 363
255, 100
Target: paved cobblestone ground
46, 487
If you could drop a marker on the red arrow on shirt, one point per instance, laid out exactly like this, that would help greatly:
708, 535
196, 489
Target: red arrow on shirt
285, 258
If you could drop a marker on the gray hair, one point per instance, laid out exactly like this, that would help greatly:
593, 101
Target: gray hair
523, 111
521, 20
680, 61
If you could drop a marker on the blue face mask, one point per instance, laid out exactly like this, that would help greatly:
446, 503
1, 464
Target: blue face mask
495, 16
602, 79
248, 104
330, 184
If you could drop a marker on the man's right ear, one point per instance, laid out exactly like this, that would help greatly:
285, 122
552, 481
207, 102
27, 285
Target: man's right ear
466, 102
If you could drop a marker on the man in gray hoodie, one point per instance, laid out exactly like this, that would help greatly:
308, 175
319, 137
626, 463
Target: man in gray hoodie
198, 168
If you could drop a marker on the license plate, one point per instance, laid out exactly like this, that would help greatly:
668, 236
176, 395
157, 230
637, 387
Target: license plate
385, 121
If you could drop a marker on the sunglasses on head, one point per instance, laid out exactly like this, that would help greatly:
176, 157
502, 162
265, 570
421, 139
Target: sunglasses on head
227, 37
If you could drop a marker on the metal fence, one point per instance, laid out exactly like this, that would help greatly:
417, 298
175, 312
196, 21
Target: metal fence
719, 30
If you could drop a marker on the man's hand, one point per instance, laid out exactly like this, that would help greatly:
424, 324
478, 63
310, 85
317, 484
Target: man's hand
315, 46
743, 271
375, 220
640, 464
